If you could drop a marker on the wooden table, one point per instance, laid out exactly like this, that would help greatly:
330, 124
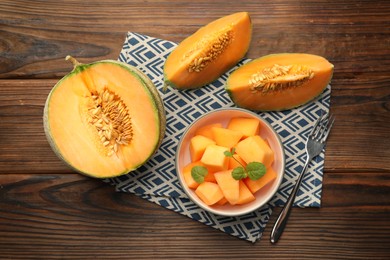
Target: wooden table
49, 211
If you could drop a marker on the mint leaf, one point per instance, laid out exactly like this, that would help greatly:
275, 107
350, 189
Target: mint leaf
198, 173
255, 170
239, 173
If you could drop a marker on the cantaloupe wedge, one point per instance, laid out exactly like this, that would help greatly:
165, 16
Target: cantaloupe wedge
229, 186
256, 185
255, 149
246, 195
214, 158
226, 137
222, 202
247, 126
206, 130
198, 145
209, 192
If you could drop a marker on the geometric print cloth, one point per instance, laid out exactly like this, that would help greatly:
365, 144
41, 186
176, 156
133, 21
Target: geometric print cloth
157, 182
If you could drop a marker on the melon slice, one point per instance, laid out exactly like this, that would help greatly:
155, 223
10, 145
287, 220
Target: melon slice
214, 158
255, 149
209, 193
229, 186
247, 126
198, 145
226, 137
206, 130
255, 185
246, 195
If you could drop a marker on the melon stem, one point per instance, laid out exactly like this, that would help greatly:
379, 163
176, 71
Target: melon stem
73, 60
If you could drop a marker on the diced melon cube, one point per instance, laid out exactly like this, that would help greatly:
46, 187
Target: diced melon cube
191, 183
246, 195
222, 202
256, 185
255, 149
214, 158
198, 145
226, 137
209, 192
206, 130
235, 162
247, 126
229, 186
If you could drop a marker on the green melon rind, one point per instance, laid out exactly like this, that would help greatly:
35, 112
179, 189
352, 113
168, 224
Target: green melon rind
149, 88
281, 109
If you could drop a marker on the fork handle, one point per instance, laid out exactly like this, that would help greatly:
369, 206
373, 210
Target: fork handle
281, 221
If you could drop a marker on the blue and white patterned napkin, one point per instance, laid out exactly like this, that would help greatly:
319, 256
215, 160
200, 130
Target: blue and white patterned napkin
157, 182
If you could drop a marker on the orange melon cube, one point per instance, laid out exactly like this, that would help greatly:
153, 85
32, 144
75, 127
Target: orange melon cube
222, 202
247, 126
214, 158
191, 183
233, 163
226, 137
246, 195
229, 186
209, 192
206, 130
255, 149
198, 145
256, 185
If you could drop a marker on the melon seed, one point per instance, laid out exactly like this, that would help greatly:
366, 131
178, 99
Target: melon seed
213, 46
279, 77
110, 117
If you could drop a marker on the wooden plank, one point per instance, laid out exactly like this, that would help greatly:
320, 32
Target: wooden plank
45, 216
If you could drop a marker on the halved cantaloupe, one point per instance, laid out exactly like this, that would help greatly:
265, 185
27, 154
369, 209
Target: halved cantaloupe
209, 52
255, 185
279, 81
255, 149
104, 119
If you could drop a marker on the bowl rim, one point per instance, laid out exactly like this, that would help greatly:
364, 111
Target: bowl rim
221, 212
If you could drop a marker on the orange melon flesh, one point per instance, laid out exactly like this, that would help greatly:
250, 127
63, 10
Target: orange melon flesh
255, 185
229, 186
239, 90
214, 158
236, 161
255, 149
247, 126
198, 145
75, 141
209, 193
206, 130
246, 195
226, 137
176, 71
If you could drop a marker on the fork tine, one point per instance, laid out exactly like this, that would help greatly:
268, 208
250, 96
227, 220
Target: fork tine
313, 130
330, 124
318, 130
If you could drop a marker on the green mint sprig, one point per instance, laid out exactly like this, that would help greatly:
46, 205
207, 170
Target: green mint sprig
253, 170
198, 173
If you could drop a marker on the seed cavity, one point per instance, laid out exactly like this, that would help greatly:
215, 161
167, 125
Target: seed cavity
279, 77
211, 46
108, 114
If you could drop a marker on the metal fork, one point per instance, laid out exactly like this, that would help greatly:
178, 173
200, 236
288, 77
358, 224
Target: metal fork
314, 145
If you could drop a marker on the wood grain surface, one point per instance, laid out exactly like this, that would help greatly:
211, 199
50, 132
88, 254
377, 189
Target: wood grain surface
47, 211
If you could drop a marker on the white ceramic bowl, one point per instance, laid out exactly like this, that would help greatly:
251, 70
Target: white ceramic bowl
266, 131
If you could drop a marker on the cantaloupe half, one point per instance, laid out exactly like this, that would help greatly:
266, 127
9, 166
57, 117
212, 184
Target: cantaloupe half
279, 81
104, 119
209, 52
